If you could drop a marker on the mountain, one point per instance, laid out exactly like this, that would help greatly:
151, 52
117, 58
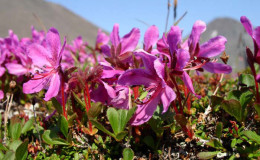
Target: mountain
237, 40
20, 15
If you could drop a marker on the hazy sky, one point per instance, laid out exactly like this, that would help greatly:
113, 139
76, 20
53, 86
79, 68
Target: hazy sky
141, 13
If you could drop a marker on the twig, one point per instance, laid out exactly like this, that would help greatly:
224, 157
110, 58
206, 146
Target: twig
36, 126
178, 21
10, 103
130, 127
208, 109
52, 114
169, 153
40, 22
167, 17
175, 3
3, 102
219, 83
5, 118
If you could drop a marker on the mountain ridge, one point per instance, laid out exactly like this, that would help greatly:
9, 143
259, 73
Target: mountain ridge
19, 15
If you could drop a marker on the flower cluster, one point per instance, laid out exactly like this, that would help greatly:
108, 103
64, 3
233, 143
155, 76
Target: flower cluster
116, 68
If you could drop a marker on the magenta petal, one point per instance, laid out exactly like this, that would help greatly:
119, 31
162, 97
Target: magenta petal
121, 100
136, 77
213, 47
16, 69
257, 36
183, 57
167, 97
148, 60
2, 71
130, 40
99, 94
162, 44
54, 87
53, 42
159, 68
2, 55
217, 67
105, 50
247, 25
33, 86
145, 112
39, 55
198, 28
1, 94
57, 62
110, 90
150, 37
111, 73
174, 38
102, 38
114, 36
188, 83
258, 78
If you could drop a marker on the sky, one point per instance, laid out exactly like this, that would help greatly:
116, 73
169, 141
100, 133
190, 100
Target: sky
143, 13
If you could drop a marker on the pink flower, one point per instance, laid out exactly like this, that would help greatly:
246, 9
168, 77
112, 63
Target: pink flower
154, 80
1, 94
203, 53
47, 61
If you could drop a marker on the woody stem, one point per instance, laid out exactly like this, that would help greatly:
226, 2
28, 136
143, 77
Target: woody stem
257, 91
178, 93
63, 98
88, 104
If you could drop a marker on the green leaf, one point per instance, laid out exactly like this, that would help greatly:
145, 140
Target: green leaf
130, 113
16, 130
102, 128
1, 155
63, 125
47, 139
0, 123
95, 110
252, 136
76, 156
148, 140
10, 155
233, 108
13, 145
119, 118
143, 95
114, 120
234, 94
215, 144
2, 147
128, 154
78, 100
246, 98
122, 119
28, 126
254, 155
233, 143
247, 79
207, 155
57, 105
215, 100
219, 129
22, 151
257, 108
232, 157
181, 119
59, 141
157, 126
120, 136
